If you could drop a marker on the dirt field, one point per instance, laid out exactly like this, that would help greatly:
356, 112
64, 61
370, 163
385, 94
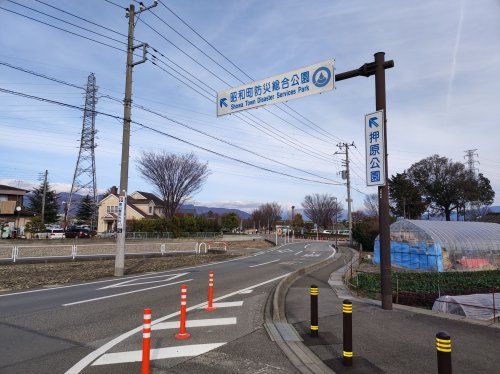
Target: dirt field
19, 276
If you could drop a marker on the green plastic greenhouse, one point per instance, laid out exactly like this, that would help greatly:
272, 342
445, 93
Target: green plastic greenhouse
443, 246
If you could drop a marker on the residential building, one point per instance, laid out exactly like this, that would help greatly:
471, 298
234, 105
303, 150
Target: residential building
13, 214
140, 205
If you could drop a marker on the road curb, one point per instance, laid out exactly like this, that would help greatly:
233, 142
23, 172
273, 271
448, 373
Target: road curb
283, 333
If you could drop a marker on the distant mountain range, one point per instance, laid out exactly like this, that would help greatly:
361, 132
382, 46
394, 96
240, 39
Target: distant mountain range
64, 196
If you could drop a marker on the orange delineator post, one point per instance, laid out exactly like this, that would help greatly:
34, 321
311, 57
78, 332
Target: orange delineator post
182, 334
210, 306
146, 341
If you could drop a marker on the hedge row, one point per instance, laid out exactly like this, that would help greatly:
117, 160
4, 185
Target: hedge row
422, 289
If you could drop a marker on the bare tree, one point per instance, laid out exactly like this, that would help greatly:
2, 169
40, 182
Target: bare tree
371, 204
322, 209
267, 214
175, 177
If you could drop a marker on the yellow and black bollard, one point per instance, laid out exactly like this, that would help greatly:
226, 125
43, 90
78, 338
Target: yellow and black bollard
347, 333
314, 310
443, 348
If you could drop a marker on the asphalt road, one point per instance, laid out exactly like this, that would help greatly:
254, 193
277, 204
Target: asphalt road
95, 327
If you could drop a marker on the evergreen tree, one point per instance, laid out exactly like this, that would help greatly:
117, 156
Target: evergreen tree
85, 209
230, 221
406, 199
35, 203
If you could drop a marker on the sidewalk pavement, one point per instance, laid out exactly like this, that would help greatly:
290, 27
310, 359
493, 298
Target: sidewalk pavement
396, 341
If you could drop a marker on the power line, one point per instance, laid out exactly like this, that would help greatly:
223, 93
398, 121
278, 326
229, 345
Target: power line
62, 29
242, 71
67, 22
115, 99
40, 75
76, 34
84, 19
215, 75
21, 94
115, 4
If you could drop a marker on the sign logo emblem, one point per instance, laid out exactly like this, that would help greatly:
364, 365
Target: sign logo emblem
322, 76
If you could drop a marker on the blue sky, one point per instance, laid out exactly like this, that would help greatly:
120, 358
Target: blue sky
442, 95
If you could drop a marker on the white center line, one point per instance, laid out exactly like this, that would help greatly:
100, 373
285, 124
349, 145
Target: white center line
264, 263
298, 252
196, 323
157, 354
125, 293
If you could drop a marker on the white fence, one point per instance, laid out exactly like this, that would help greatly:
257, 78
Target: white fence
218, 246
57, 251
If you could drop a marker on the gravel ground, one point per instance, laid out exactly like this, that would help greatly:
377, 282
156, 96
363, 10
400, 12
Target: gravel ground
21, 275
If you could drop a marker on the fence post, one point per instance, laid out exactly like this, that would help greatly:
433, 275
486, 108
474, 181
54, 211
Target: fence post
14, 253
397, 289
443, 349
494, 307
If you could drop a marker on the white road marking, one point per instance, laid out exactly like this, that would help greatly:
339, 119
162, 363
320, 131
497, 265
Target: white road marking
227, 304
157, 354
298, 252
128, 284
307, 245
264, 263
312, 255
245, 291
125, 293
127, 277
92, 356
196, 323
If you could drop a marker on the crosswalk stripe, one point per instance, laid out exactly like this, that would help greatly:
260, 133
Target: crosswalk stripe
157, 354
196, 323
226, 304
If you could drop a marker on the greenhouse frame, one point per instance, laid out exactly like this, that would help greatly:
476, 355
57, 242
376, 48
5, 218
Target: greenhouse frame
443, 245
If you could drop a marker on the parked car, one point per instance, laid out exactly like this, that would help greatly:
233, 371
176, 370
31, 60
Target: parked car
106, 235
80, 233
51, 234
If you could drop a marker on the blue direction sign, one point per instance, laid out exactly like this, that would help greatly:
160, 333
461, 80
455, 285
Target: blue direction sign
309, 80
375, 152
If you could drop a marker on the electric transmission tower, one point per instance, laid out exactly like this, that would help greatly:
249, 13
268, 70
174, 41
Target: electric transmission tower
84, 177
471, 161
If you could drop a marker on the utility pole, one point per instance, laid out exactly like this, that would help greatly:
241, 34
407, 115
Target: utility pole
347, 175
293, 228
44, 195
127, 109
335, 225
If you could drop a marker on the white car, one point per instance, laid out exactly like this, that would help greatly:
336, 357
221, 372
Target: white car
52, 234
